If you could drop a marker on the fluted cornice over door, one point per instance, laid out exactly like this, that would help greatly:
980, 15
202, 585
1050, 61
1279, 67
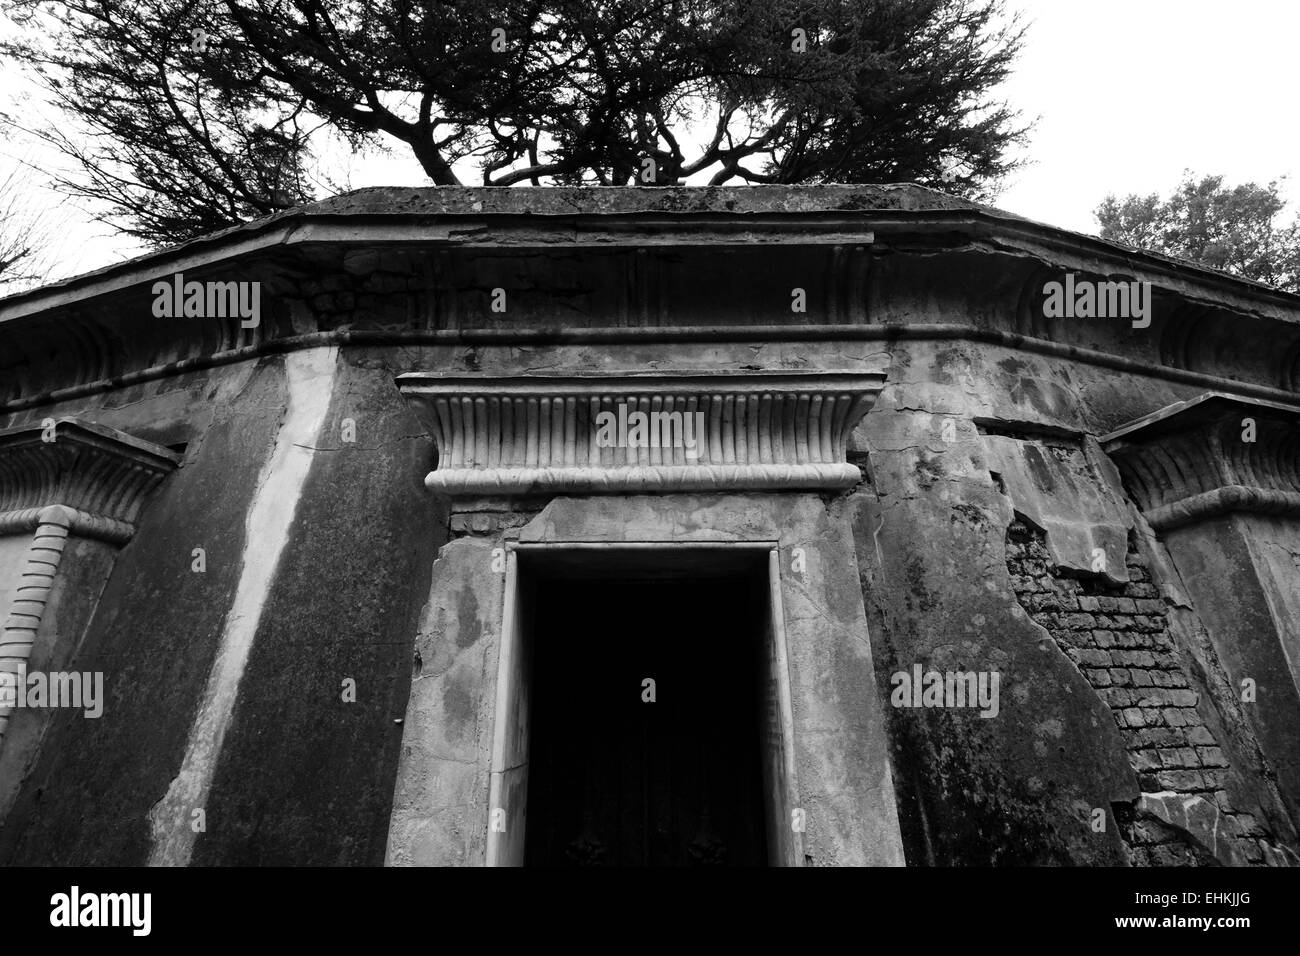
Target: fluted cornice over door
760, 431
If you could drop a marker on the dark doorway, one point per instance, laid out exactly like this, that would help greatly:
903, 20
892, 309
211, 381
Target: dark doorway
618, 781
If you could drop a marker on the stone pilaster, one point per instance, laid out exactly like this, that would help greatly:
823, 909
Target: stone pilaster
62, 478
1218, 478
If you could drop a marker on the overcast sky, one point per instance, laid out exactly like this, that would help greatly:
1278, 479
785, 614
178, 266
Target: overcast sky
1127, 94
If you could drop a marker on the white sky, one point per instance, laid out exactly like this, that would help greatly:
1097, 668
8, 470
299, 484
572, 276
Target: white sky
1127, 93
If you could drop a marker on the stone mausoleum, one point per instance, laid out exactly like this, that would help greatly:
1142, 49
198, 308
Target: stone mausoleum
767, 525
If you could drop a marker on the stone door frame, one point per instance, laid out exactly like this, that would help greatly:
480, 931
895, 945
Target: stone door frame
506, 822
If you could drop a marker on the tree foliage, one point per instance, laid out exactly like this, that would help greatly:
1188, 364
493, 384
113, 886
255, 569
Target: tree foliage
26, 236
1237, 229
189, 116
23, 241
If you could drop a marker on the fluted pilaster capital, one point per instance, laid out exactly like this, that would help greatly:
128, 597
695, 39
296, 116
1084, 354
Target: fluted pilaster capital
86, 477
1208, 456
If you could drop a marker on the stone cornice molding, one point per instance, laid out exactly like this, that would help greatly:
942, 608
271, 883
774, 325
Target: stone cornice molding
763, 431
90, 479
460, 215
392, 267
1190, 461
923, 332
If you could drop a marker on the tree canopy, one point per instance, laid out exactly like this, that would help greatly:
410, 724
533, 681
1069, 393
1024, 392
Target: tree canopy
190, 116
25, 234
1233, 228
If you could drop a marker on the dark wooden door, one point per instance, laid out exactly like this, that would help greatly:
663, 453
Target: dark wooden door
617, 780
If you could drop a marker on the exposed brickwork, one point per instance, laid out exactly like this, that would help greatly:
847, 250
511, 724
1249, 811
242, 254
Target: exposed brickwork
1118, 638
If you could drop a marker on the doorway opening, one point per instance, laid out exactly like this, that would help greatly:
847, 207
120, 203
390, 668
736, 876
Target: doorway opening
643, 711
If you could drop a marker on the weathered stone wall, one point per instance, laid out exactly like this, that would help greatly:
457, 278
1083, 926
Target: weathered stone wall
1015, 789
344, 584
932, 542
1118, 638
155, 631
352, 580
1218, 562
302, 777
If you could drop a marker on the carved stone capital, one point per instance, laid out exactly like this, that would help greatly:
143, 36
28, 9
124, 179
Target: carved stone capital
85, 477
1208, 456
641, 432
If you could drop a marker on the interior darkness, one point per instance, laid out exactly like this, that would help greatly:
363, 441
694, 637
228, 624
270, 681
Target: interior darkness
615, 781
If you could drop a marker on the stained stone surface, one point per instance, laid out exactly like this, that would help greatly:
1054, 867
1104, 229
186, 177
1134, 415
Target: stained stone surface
959, 535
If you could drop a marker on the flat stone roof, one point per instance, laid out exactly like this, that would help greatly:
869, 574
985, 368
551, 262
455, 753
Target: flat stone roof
629, 200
